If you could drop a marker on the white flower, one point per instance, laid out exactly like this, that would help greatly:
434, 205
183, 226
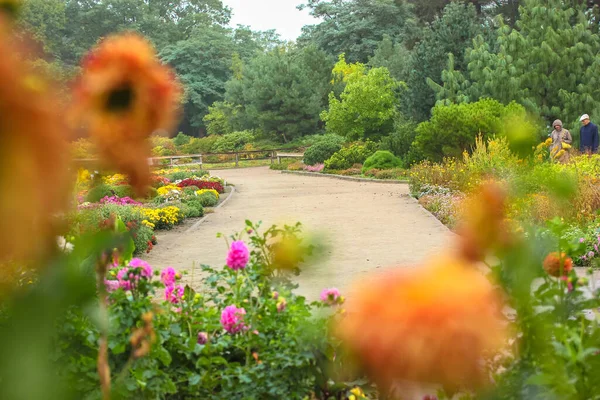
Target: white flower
63, 245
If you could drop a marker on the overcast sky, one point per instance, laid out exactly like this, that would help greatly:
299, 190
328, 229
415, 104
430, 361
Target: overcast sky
262, 15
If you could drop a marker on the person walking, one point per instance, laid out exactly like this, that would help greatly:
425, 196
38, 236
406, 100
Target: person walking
588, 136
559, 136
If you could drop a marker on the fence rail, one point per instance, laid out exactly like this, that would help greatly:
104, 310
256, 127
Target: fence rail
209, 158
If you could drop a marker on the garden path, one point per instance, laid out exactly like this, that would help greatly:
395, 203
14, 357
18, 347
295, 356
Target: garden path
367, 226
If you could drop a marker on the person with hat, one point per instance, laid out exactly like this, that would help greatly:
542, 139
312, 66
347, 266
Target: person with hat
561, 142
588, 136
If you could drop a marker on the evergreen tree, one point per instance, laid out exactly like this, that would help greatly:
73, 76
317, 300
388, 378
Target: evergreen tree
451, 33
549, 62
393, 56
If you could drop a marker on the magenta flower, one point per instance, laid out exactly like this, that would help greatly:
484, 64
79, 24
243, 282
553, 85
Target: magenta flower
111, 286
232, 319
591, 254
314, 168
238, 255
330, 296
139, 263
122, 201
202, 338
169, 276
173, 294
123, 278
581, 240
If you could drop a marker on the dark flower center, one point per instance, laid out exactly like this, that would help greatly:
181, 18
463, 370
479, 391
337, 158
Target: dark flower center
120, 99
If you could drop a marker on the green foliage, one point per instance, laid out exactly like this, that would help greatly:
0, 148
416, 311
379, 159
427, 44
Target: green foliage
381, 159
532, 63
356, 153
399, 141
208, 199
181, 175
123, 191
282, 92
181, 139
189, 211
234, 141
283, 166
324, 148
356, 27
220, 118
152, 193
194, 202
453, 129
450, 34
200, 145
393, 56
98, 192
366, 108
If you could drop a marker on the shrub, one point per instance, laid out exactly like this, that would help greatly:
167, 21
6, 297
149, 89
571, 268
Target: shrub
323, 149
181, 139
194, 202
400, 140
189, 211
96, 193
232, 142
199, 145
202, 191
296, 166
190, 190
181, 175
280, 166
396, 173
356, 153
208, 199
165, 143
163, 218
123, 190
151, 193
382, 159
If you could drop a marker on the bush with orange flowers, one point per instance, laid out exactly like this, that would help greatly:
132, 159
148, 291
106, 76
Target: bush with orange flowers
558, 264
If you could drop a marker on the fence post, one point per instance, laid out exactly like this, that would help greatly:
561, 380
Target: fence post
200, 160
237, 159
272, 156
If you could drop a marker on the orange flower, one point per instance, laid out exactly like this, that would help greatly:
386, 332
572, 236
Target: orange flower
431, 324
123, 96
33, 148
483, 227
555, 263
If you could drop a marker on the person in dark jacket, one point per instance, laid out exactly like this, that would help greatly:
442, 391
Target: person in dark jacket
588, 136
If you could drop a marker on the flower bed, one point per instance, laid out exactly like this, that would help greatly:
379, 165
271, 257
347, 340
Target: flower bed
167, 204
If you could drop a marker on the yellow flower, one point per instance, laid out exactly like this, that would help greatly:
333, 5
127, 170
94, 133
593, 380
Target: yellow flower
165, 190
124, 95
148, 224
213, 191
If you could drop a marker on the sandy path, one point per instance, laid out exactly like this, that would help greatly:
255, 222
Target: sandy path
367, 226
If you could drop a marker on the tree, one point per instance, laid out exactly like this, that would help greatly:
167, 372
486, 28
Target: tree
393, 56
203, 63
281, 92
367, 106
355, 27
549, 62
451, 33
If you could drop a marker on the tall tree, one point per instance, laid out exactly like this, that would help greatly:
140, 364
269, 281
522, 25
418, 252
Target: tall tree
355, 27
281, 92
394, 56
450, 33
549, 62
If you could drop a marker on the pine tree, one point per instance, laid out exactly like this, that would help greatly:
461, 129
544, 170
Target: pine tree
549, 62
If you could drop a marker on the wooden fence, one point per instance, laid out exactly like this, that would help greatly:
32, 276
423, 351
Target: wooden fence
214, 158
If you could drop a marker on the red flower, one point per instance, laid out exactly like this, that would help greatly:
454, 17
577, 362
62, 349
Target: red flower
201, 184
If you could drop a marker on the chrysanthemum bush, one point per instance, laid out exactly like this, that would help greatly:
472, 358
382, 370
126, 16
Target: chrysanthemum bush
242, 334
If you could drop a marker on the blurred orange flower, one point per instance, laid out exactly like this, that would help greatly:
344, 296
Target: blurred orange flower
123, 96
483, 226
33, 148
431, 324
557, 264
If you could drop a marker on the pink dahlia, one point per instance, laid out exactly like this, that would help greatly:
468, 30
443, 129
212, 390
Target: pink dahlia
173, 294
238, 255
169, 276
232, 319
202, 338
330, 296
111, 286
139, 263
125, 282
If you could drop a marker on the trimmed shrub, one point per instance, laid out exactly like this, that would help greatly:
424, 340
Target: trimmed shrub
98, 192
151, 193
190, 190
196, 203
199, 145
381, 159
208, 199
280, 167
323, 149
356, 153
189, 211
181, 175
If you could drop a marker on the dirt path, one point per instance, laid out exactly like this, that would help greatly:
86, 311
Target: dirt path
367, 226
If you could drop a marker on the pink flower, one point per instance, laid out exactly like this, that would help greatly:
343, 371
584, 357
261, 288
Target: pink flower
591, 254
202, 338
123, 278
169, 276
173, 294
581, 240
232, 319
111, 286
330, 296
314, 168
281, 304
139, 263
238, 255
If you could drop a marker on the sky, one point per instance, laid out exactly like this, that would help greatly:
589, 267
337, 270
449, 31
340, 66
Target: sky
262, 15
